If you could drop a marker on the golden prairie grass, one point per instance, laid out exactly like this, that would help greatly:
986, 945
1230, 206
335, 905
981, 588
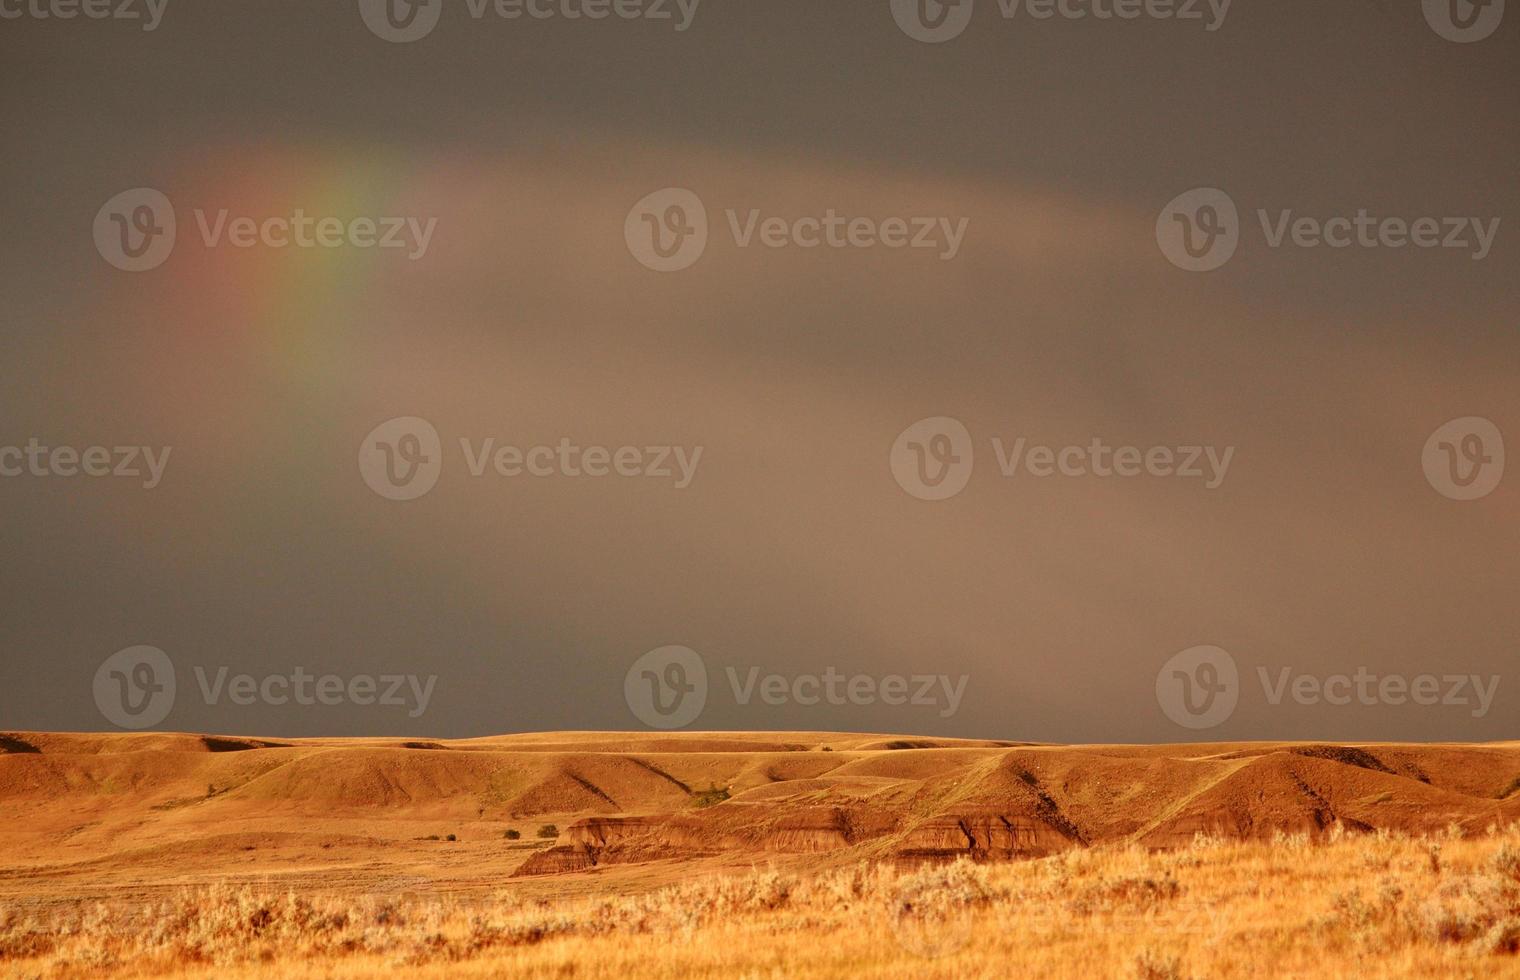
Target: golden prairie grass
1343, 905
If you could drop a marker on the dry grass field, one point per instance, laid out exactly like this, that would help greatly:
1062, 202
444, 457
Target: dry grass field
755, 855
1380, 905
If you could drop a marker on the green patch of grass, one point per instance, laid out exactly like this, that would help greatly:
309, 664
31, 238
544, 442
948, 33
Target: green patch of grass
711, 796
503, 786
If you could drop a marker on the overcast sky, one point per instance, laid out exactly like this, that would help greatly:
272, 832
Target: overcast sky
1040, 153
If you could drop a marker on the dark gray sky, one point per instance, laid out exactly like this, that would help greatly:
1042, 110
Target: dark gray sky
527, 320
